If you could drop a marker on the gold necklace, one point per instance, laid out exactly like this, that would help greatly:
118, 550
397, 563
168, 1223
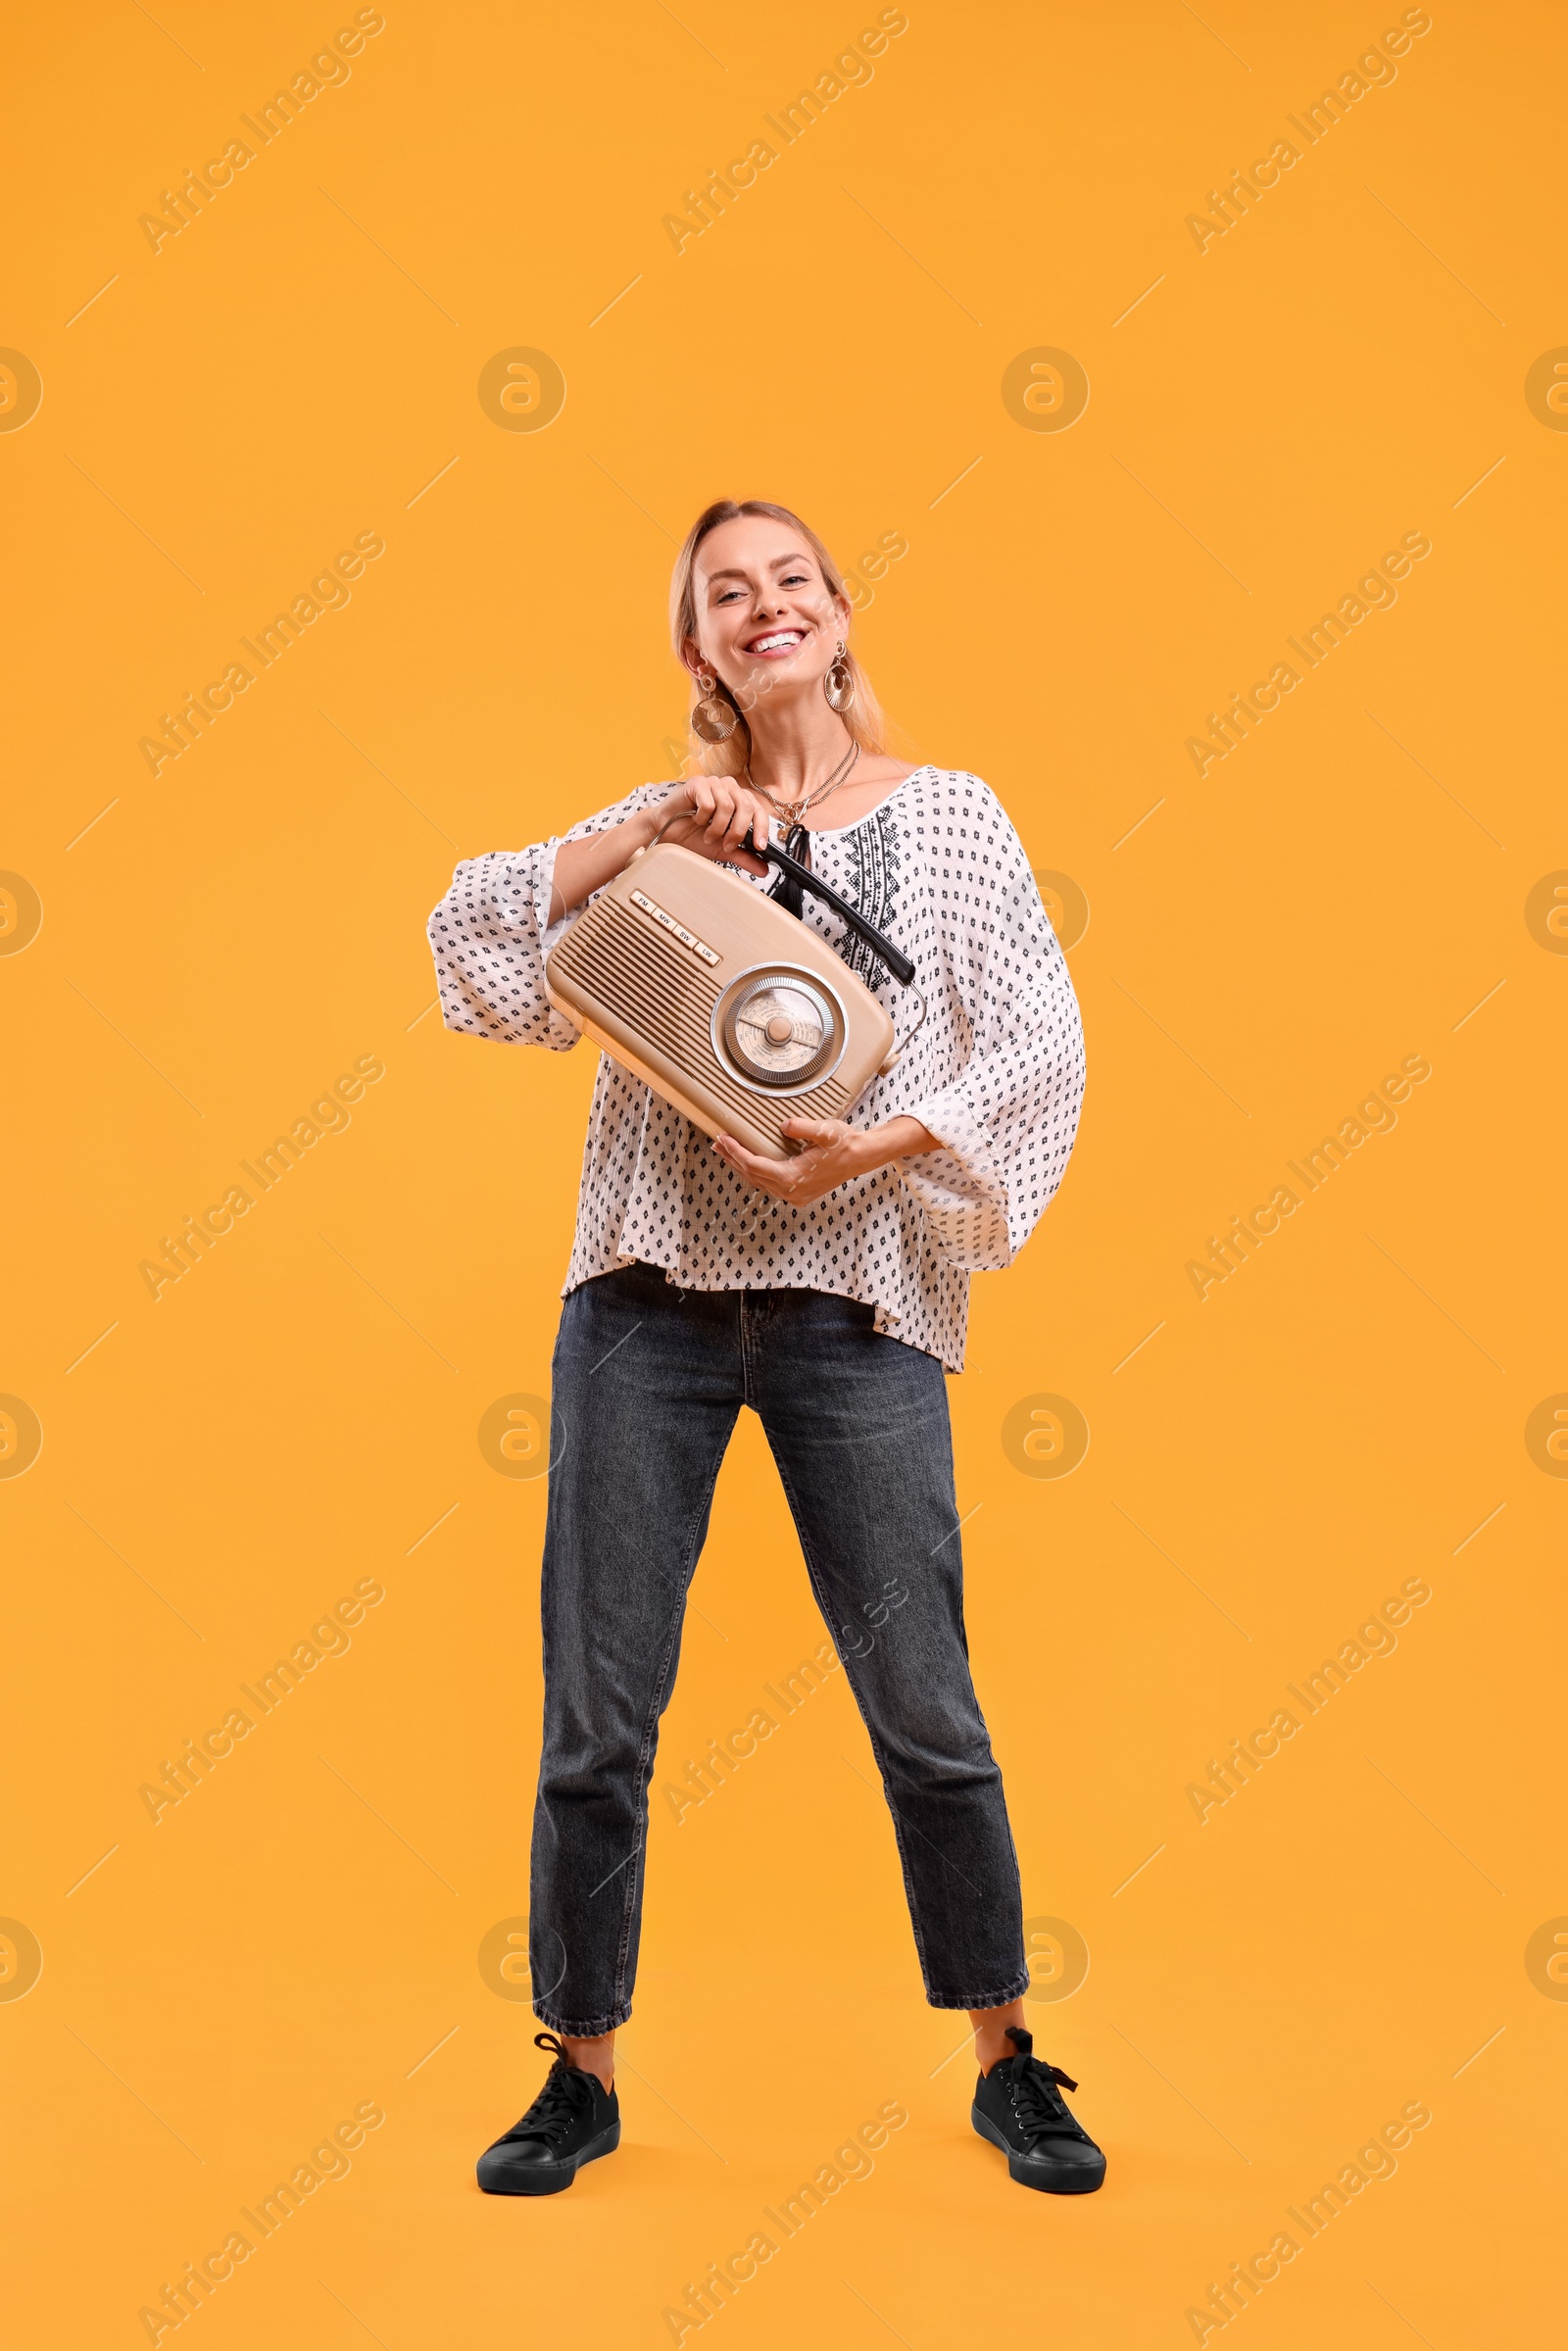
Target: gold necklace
792, 811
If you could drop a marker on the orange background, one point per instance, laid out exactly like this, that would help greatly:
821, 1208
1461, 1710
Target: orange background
1266, 417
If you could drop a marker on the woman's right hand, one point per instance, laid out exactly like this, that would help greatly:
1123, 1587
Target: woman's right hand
712, 814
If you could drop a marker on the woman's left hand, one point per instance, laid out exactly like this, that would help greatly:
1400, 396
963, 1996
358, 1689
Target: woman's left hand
833, 1152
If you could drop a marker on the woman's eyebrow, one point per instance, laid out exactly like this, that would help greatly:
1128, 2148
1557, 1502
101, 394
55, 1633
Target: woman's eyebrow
730, 572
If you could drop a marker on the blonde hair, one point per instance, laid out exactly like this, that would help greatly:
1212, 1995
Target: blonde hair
864, 718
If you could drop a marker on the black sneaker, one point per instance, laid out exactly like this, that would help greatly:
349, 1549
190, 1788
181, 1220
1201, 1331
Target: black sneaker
574, 2120
1019, 2109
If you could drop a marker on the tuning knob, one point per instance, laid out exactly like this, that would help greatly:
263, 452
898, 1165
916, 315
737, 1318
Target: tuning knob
778, 1028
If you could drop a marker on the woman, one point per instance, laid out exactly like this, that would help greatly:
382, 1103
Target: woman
828, 1292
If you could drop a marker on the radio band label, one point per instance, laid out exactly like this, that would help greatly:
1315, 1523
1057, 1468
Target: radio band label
678, 930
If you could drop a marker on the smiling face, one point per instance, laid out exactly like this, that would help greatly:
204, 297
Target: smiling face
767, 621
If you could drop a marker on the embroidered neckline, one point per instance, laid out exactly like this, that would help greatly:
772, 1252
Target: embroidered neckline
837, 832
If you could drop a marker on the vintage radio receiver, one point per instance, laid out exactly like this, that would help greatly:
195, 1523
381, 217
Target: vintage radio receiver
720, 1000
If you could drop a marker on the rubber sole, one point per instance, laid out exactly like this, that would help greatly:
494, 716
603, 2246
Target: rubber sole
547, 2179
1077, 2180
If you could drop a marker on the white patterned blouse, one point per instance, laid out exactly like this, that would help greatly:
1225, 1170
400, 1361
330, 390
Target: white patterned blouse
995, 1072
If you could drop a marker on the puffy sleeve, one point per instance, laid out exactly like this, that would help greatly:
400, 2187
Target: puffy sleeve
492, 931
1008, 1113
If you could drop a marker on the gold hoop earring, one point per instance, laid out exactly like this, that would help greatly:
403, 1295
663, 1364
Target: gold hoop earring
838, 683
714, 718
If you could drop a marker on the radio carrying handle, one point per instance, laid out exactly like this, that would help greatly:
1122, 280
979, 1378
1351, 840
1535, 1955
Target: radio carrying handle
897, 962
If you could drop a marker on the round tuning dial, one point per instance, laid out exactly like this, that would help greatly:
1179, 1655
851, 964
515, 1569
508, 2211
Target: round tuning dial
779, 1029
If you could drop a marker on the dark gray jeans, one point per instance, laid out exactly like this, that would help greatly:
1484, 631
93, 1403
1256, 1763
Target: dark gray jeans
646, 1386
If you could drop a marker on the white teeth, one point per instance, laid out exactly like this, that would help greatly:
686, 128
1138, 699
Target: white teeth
788, 637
